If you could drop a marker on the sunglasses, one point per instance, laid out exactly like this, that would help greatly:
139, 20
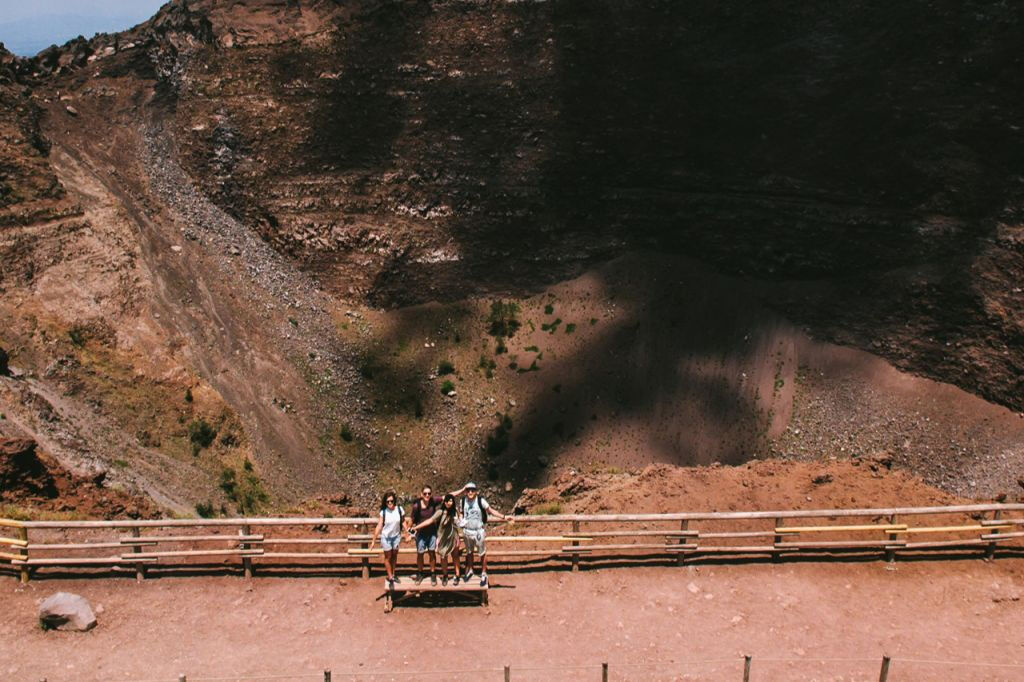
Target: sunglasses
390, 500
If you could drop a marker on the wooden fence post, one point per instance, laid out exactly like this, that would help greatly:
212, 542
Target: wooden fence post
327, 676
23, 551
990, 550
604, 672
140, 568
746, 668
776, 555
883, 675
890, 554
683, 525
363, 530
508, 673
246, 561
575, 543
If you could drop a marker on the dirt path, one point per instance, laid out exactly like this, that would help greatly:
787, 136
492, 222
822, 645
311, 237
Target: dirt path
660, 617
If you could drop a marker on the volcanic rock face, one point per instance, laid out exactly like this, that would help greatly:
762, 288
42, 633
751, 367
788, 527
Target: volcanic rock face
194, 204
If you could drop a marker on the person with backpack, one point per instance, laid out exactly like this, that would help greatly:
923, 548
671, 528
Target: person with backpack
425, 534
445, 522
389, 530
475, 511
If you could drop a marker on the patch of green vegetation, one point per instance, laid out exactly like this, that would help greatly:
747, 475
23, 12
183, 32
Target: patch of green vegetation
200, 434
532, 349
497, 441
570, 328
121, 463
552, 327
445, 367
229, 440
293, 322
188, 395
503, 320
593, 321
532, 368
447, 388
78, 335
488, 366
547, 509
245, 490
548, 309
205, 510
346, 433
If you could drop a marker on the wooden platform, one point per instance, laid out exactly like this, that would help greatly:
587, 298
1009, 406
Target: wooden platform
406, 588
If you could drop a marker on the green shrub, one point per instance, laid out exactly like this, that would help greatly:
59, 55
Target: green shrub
532, 349
204, 509
447, 387
570, 328
200, 434
245, 491
547, 509
445, 367
78, 335
488, 366
548, 309
188, 395
346, 433
551, 328
503, 319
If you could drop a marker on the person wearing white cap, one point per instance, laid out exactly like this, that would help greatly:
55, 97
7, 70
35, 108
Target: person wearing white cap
474, 512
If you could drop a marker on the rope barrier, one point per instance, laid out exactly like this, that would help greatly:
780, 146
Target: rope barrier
924, 661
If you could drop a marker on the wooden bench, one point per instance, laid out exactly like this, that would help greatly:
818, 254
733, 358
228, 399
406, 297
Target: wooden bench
406, 588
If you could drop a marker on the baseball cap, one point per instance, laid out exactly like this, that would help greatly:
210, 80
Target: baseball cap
471, 486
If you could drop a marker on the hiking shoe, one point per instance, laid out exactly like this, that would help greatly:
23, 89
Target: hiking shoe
456, 581
433, 580
444, 581
483, 580
391, 583
468, 574
417, 578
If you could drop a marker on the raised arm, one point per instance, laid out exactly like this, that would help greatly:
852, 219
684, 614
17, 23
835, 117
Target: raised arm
456, 493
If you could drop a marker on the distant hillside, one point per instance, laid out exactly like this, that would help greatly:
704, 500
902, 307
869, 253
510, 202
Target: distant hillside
29, 36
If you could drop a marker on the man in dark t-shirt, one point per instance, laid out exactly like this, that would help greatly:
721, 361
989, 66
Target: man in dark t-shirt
426, 538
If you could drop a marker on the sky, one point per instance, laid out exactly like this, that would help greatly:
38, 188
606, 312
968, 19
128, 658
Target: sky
28, 26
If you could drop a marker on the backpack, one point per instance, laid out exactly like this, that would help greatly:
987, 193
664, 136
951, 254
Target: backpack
483, 510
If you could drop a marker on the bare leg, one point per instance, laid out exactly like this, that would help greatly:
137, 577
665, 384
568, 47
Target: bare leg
483, 563
389, 563
419, 563
455, 560
433, 563
444, 567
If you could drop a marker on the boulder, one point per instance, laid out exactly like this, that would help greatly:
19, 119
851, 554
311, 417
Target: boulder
66, 611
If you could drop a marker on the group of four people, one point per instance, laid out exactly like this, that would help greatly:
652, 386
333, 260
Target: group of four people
438, 524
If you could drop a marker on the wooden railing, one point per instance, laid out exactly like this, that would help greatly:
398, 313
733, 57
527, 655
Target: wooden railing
130, 544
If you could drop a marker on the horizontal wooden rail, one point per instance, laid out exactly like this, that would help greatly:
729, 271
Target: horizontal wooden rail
592, 537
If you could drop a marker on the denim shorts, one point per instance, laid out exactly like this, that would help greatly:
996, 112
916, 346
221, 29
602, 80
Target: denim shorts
390, 543
426, 541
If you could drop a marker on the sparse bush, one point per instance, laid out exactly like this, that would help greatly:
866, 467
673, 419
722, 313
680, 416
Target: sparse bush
447, 388
503, 319
200, 434
445, 367
204, 509
488, 366
229, 440
551, 328
188, 395
245, 491
570, 328
547, 509
548, 309
532, 349
78, 335
346, 433
501, 347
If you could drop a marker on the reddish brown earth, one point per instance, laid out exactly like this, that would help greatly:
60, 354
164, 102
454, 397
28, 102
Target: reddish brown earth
647, 623
32, 482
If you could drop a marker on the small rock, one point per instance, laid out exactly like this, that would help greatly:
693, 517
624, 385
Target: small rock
66, 611
508, 486
176, 249
692, 587
71, 110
